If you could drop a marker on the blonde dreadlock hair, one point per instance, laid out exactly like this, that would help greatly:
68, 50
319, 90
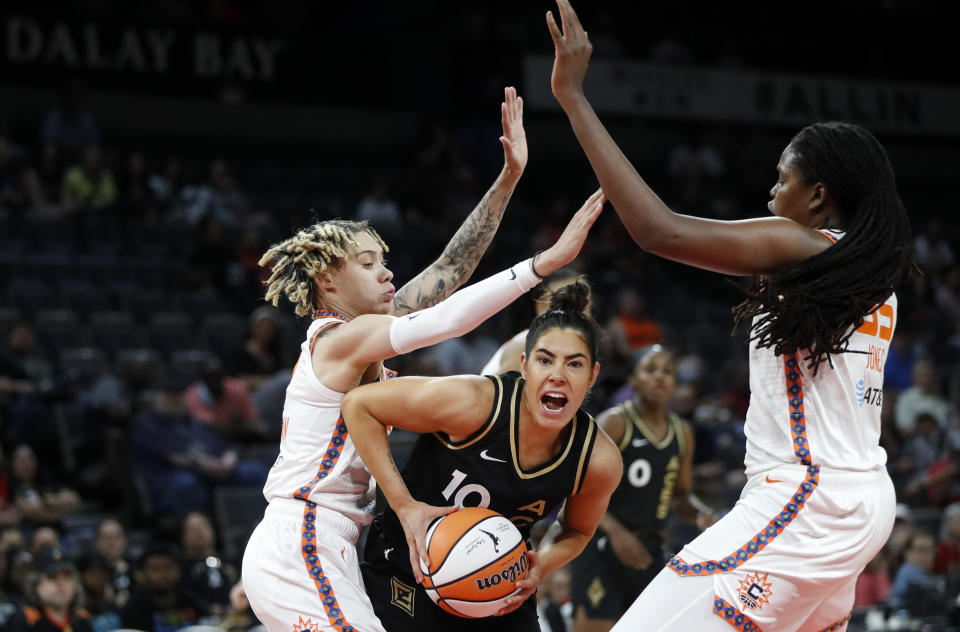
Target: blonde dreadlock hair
297, 261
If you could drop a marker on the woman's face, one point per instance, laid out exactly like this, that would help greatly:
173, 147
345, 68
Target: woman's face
792, 196
558, 375
654, 378
361, 285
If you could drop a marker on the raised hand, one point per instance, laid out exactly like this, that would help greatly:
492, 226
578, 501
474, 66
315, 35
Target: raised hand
415, 518
568, 245
514, 138
572, 49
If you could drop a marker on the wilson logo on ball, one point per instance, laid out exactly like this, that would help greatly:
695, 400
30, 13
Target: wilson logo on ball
510, 574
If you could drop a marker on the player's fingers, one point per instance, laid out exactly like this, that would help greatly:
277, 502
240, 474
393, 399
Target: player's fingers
415, 565
554, 29
520, 108
569, 16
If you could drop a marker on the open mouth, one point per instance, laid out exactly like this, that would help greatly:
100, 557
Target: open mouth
553, 402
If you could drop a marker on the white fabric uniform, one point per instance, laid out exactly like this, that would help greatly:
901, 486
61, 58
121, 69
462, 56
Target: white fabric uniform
318, 484
817, 507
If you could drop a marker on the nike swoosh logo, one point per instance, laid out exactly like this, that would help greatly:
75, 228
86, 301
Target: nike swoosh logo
513, 275
412, 316
639, 443
484, 455
771, 480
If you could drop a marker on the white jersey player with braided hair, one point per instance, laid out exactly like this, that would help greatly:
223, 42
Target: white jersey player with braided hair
300, 569
818, 503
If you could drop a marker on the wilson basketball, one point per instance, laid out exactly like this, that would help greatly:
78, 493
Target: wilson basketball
476, 559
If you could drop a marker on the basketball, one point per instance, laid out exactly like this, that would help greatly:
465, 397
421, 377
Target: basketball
476, 559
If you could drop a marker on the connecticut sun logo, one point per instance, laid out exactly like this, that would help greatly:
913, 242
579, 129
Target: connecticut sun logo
755, 591
306, 626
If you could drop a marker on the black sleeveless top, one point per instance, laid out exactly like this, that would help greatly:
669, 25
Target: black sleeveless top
650, 469
484, 470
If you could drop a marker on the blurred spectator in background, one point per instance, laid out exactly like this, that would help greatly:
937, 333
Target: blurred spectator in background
44, 538
89, 186
54, 597
204, 570
933, 250
111, 544
553, 602
40, 501
69, 124
873, 584
261, 354
917, 565
14, 179
181, 459
224, 402
135, 195
46, 181
218, 199
629, 330
922, 397
948, 549
240, 617
9, 603
166, 186
160, 602
97, 592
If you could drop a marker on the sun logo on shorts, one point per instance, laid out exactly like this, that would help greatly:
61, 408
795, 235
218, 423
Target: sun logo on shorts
306, 626
755, 591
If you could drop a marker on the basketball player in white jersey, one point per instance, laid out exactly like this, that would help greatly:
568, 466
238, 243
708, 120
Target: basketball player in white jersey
818, 503
300, 568
507, 357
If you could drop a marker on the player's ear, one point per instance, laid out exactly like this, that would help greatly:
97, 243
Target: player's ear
596, 372
523, 364
323, 282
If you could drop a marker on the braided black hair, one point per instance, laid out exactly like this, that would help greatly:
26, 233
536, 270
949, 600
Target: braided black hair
817, 304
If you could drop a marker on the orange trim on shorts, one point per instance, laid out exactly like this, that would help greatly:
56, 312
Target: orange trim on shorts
308, 547
734, 617
798, 429
838, 625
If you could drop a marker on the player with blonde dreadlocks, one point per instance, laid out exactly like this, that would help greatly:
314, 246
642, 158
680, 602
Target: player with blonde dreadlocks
300, 569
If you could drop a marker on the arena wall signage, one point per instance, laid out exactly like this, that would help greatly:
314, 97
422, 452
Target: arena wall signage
745, 96
34, 43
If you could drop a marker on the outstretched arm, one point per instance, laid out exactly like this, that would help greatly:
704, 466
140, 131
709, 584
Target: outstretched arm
456, 405
340, 358
462, 254
746, 247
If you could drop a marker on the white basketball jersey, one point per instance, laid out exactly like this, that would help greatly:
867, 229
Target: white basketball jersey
831, 419
317, 460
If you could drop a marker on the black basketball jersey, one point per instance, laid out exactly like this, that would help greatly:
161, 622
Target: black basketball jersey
484, 470
650, 469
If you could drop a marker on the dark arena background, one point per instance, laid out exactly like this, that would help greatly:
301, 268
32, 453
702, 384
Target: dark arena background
150, 151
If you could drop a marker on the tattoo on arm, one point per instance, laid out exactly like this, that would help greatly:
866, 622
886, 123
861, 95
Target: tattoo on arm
460, 257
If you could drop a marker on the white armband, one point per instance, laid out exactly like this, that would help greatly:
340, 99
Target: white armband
462, 311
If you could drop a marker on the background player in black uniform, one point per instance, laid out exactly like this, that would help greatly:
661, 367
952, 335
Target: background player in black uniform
517, 443
657, 450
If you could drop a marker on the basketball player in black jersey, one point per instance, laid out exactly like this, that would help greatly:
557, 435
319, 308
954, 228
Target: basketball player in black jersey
517, 443
657, 449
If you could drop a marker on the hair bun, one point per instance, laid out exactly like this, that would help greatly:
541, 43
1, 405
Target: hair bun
571, 297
